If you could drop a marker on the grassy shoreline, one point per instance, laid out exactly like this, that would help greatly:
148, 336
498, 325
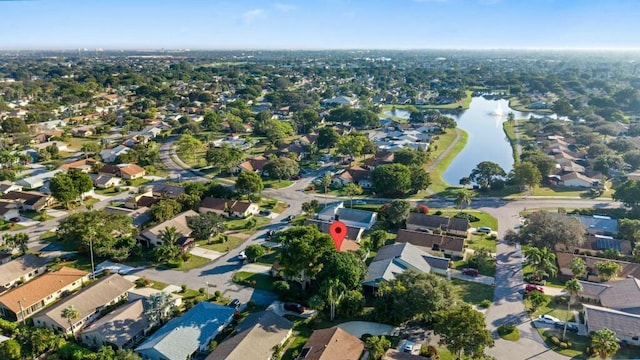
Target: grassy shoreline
510, 132
438, 184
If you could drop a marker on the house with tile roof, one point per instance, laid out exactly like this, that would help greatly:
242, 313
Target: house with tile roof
121, 328
399, 257
627, 269
228, 208
452, 246
26, 300
332, 343
20, 270
350, 217
354, 233
152, 236
188, 334
253, 164
355, 175
256, 337
449, 225
108, 291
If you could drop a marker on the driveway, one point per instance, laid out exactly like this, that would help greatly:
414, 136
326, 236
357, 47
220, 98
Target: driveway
480, 279
205, 253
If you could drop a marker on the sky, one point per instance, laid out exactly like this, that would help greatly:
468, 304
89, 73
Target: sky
319, 24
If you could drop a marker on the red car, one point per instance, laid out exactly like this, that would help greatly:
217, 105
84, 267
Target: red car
470, 271
295, 307
533, 287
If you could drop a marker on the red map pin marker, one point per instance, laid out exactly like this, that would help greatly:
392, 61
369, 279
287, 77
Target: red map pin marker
338, 231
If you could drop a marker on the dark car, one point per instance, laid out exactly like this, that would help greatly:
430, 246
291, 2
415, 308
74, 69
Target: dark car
270, 233
470, 271
265, 212
571, 327
295, 307
235, 303
295, 177
289, 218
15, 219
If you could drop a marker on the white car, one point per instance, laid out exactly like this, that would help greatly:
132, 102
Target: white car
242, 255
408, 346
547, 319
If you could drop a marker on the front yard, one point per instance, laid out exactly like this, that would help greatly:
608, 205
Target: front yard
255, 280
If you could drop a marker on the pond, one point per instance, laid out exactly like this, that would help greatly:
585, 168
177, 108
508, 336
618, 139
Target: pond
487, 140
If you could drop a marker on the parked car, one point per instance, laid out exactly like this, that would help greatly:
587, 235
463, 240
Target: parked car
360, 202
295, 307
295, 177
235, 303
265, 212
408, 346
15, 219
470, 271
270, 233
547, 319
242, 255
484, 230
289, 218
572, 327
533, 287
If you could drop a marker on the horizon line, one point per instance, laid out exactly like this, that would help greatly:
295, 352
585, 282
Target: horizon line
161, 49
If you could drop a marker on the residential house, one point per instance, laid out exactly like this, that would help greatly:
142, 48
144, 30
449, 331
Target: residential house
256, 338
452, 246
166, 191
153, 235
89, 302
103, 181
625, 325
83, 165
350, 217
21, 270
399, 257
598, 224
130, 171
9, 209
38, 180
596, 243
228, 208
577, 180
120, 329
139, 216
626, 268
449, 225
355, 175
24, 301
8, 186
141, 201
393, 354
29, 200
111, 155
83, 131
332, 343
252, 164
184, 336
340, 100
62, 146
146, 293
354, 234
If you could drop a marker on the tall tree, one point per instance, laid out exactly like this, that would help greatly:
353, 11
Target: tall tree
607, 270
249, 183
629, 194
327, 138
377, 347
485, 173
224, 158
206, 226
63, 189
542, 261
548, 230
187, 146
604, 343
169, 249
165, 210
526, 174
463, 198
335, 293
157, 306
281, 168
352, 190
70, 313
578, 266
303, 248
396, 212
351, 145
18, 241
391, 180
463, 330
573, 287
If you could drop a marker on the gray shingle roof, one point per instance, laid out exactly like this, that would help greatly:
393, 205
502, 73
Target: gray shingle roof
182, 336
622, 323
121, 325
437, 222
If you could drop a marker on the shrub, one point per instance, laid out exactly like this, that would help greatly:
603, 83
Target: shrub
186, 256
564, 345
201, 290
183, 288
485, 303
437, 213
217, 294
423, 209
175, 263
555, 341
464, 215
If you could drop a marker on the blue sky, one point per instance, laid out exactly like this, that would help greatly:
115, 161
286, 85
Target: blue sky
319, 24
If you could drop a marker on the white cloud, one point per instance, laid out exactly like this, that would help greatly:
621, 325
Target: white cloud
284, 7
253, 15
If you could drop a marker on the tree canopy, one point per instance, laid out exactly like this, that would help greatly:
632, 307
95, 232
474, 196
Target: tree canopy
303, 249
547, 230
391, 180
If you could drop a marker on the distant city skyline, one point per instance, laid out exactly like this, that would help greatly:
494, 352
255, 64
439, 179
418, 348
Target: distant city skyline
319, 24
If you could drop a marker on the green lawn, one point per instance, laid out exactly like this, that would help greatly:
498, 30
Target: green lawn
137, 182
485, 219
244, 225
509, 334
510, 131
194, 263
231, 243
273, 205
110, 191
554, 308
275, 184
471, 292
488, 269
10, 226
258, 281
438, 184
269, 258
478, 242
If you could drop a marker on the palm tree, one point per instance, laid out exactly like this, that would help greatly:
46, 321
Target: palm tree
573, 287
511, 117
170, 237
604, 343
156, 306
463, 198
578, 266
335, 293
351, 190
542, 260
70, 313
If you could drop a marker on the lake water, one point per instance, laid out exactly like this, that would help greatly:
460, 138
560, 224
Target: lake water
487, 140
